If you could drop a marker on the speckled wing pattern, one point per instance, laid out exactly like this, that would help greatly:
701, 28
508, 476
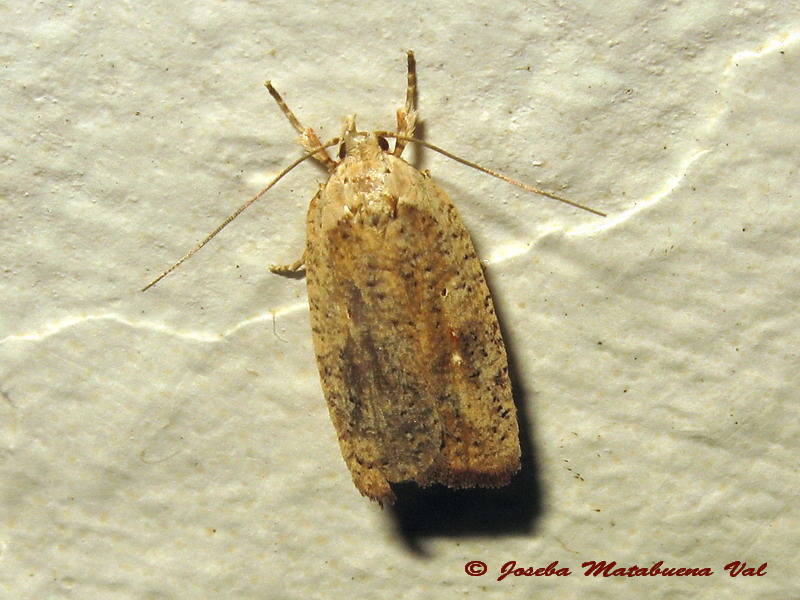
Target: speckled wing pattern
408, 346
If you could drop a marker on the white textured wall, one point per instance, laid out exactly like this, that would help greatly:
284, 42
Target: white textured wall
175, 444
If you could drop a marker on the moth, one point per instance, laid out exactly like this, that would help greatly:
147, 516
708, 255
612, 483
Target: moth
409, 350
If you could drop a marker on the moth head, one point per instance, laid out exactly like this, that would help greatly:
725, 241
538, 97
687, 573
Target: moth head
360, 145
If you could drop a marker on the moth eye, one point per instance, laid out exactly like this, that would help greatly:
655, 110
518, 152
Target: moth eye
342, 151
383, 144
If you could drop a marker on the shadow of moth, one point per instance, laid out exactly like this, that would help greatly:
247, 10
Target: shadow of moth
409, 350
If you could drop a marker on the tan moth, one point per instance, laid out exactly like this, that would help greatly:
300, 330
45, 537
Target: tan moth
411, 359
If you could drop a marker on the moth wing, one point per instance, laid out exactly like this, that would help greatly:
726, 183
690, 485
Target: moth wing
409, 350
476, 406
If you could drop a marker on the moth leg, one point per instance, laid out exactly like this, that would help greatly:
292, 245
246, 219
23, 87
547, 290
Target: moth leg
308, 137
289, 270
407, 115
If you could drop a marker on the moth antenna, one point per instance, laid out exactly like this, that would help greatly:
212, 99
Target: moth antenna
240, 210
500, 176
